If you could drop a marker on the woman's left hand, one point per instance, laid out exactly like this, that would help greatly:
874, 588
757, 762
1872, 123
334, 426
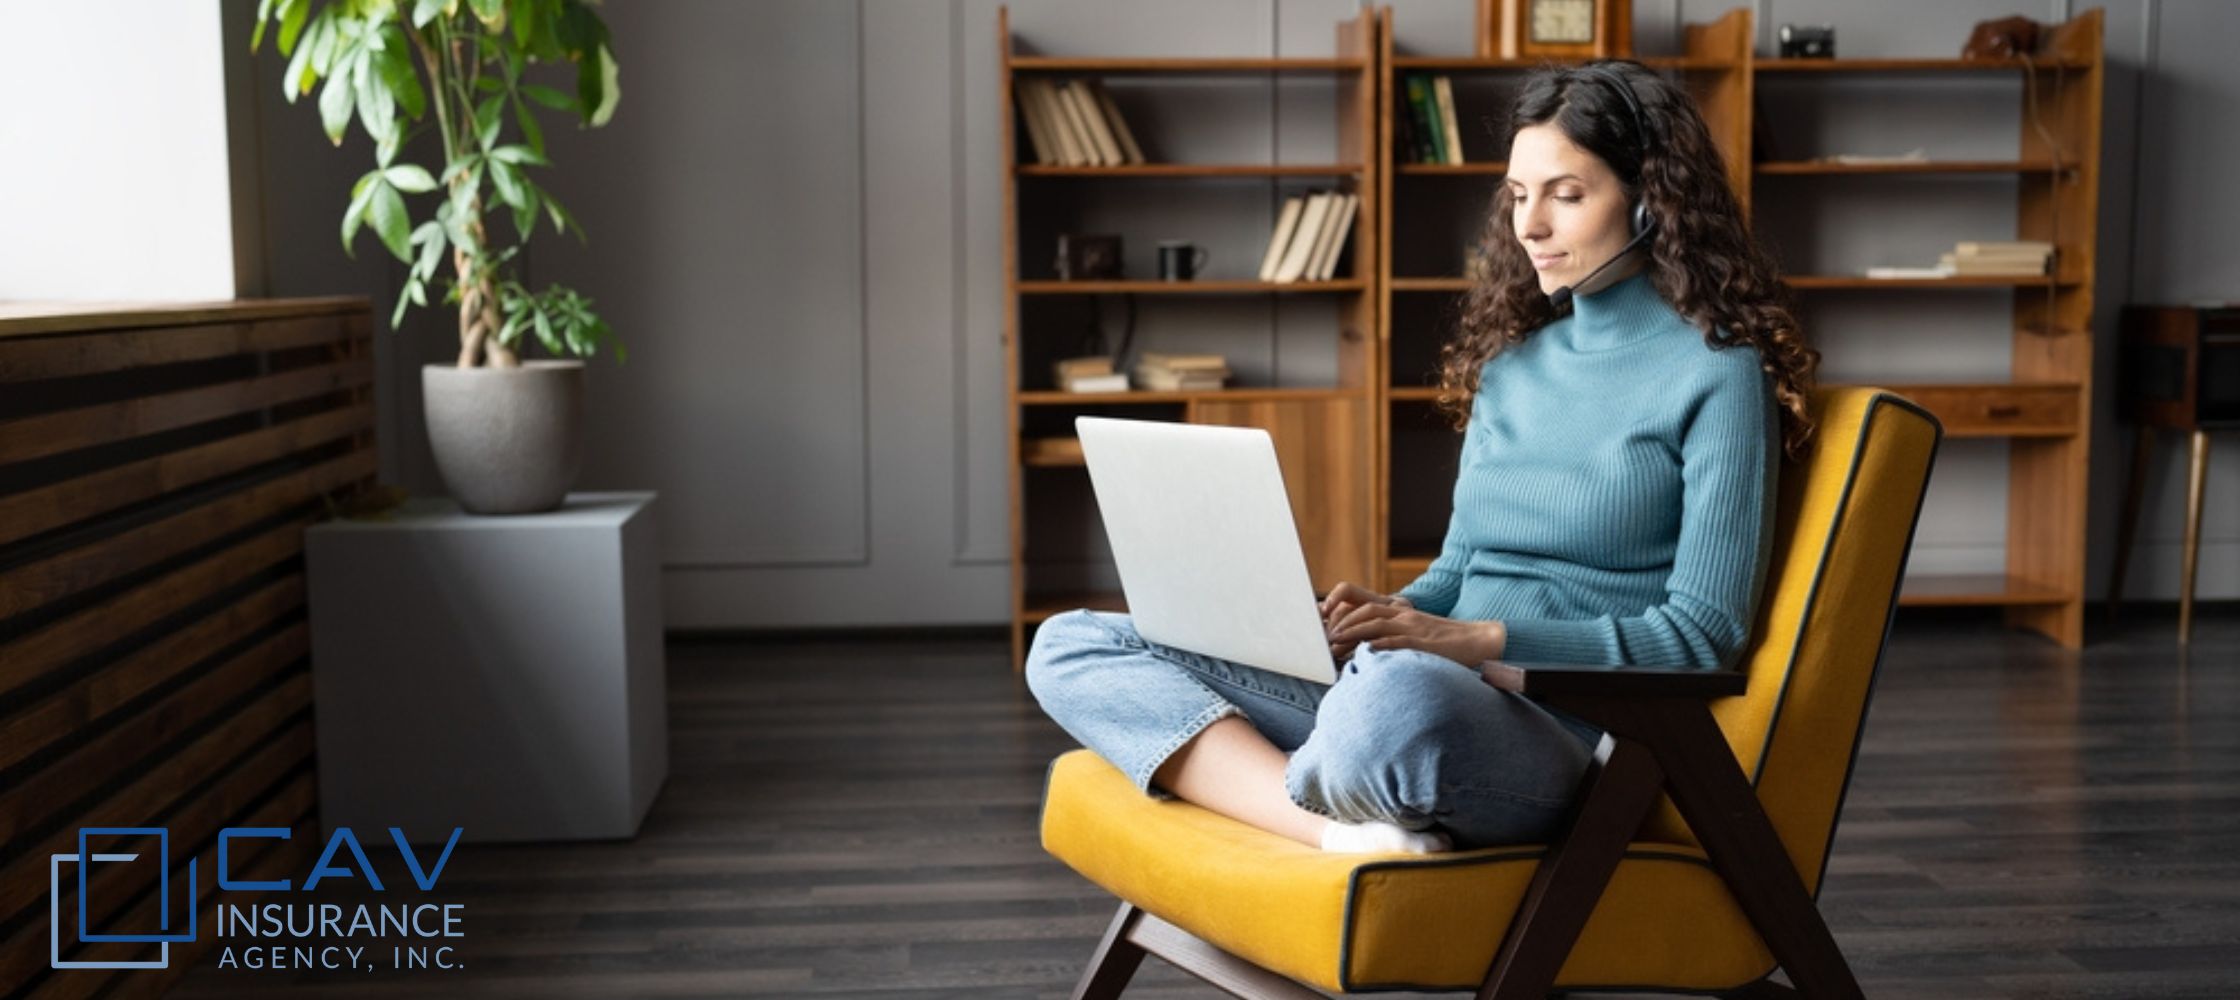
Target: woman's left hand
1386, 626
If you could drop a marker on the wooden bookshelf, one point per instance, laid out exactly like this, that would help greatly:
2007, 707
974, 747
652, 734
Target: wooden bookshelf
1320, 431
2044, 410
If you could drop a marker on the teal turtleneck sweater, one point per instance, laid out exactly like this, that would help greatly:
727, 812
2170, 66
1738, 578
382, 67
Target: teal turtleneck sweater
1615, 497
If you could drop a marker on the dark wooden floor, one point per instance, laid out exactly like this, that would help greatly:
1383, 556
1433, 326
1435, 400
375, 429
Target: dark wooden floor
857, 819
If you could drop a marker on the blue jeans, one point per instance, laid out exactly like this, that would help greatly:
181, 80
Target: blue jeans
1406, 737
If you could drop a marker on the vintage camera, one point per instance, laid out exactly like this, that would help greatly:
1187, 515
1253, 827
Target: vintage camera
1088, 258
1808, 41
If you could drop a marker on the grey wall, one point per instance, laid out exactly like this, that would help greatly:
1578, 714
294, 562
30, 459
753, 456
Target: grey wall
795, 225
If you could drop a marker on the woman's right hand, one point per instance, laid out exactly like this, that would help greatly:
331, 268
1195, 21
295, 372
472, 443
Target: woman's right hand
1341, 601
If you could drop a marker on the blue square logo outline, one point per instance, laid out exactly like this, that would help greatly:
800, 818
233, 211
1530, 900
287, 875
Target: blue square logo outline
163, 872
54, 917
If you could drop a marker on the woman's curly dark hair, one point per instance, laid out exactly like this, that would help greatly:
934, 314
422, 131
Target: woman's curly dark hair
1703, 259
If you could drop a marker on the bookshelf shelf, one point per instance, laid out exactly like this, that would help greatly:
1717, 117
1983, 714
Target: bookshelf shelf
1430, 284
1914, 65
1479, 64
1922, 590
1157, 170
1847, 281
1075, 64
1493, 168
1197, 287
1814, 168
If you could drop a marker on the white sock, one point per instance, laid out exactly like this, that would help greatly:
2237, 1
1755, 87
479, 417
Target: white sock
1378, 837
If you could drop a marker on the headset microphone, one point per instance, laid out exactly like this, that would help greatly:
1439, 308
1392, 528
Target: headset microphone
1562, 296
1643, 223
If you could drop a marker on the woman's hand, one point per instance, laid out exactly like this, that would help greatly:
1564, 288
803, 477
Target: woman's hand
1399, 626
1342, 600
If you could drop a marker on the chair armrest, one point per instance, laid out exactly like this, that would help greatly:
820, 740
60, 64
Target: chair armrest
1614, 681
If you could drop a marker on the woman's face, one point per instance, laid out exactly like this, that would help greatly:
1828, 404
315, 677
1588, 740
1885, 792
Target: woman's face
1569, 211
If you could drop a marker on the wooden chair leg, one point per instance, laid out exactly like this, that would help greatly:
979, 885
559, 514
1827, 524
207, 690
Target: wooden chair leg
2196, 479
1724, 813
2127, 529
1570, 880
1115, 960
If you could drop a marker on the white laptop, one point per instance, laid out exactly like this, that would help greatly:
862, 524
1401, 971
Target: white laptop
1202, 532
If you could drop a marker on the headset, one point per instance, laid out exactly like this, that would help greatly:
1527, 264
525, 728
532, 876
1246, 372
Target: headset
1642, 223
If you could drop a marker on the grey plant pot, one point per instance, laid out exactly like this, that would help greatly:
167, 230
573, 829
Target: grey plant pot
506, 440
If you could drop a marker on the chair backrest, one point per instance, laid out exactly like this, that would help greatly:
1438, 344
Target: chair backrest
1844, 527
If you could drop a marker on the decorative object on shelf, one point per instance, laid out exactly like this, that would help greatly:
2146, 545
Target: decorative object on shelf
2001, 38
1808, 41
1180, 260
474, 72
1075, 124
1555, 29
1088, 258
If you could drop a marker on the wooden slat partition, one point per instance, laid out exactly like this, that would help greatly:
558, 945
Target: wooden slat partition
158, 467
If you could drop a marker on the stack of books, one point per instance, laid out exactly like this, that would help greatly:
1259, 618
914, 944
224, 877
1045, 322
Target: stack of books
1429, 132
1310, 237
1172, 372
2011, 258
1092, 374
1075, 124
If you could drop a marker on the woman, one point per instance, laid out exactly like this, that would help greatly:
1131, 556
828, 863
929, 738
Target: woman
1627, 377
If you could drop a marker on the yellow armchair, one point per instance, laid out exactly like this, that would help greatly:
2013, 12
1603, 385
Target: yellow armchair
1693, 856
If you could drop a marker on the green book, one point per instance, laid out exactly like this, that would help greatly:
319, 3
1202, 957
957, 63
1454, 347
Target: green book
1424, 107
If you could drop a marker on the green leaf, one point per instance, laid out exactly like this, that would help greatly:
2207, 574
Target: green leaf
561, 220
385, 148
406, 297
410, 179
361, 196
264, 15
426, 11
518, 155
544, 332
377, 107
525, 214
293, 13
597, 84
548, 97
489, 85
296, 81
506, 178
429, 238
530, 130
486, 120
491, 12
396, 70
390, 221
336, 100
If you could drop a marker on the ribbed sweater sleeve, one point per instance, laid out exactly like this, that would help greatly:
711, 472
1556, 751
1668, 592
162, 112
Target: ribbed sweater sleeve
1719, 563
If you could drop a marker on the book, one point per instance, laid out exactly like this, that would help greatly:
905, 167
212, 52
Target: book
1340, 231
1423, 107
1070, 139
1286, 221
1095, 364
1092, 120
1187, 362
1453, 131
1132, 152
1053, 123
1114, 382
1907, 272
1044, 150
1163, 380
1325, 242
1303, 239
1970, 248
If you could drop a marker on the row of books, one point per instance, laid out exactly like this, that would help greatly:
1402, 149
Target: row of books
1429, 132
1981, 258
1075, 124
1310, 237
1156, 372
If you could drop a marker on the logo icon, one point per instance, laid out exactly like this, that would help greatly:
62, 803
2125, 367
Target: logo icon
85, 860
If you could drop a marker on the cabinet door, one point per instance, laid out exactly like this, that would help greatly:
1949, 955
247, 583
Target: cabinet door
1323, 446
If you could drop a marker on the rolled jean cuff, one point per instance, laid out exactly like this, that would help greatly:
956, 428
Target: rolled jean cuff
1213, 713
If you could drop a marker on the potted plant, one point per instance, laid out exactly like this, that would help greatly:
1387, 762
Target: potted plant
506, 434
